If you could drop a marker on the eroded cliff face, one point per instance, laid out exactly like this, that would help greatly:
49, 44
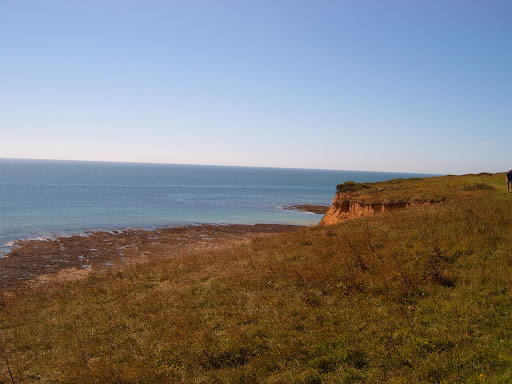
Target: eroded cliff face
343, 208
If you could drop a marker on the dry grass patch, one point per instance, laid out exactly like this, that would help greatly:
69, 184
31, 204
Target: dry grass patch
415, 296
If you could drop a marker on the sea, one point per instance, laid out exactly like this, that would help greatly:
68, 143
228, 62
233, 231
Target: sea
48, 198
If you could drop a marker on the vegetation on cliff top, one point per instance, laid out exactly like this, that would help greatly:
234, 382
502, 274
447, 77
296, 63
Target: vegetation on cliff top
414, 296
417, 189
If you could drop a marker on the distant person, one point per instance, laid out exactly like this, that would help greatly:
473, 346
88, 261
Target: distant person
509, 180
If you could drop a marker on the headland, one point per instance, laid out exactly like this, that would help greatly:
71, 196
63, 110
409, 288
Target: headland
416, 294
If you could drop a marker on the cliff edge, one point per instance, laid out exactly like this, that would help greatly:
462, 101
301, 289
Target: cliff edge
354, 200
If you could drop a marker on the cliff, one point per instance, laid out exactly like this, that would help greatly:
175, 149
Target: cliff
344, 209
354, 200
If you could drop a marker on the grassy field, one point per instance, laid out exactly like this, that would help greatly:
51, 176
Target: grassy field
420, 295
416, 189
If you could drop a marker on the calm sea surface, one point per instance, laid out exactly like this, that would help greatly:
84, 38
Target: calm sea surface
40, 198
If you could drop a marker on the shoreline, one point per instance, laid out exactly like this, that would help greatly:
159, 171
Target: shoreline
317, 209
10, 243
36, 261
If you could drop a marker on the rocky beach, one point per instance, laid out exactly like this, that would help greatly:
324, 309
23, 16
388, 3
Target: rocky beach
32, 262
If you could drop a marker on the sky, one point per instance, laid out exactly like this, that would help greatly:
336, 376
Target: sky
375, 85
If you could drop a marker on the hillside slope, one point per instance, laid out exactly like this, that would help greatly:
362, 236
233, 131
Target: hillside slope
419, 295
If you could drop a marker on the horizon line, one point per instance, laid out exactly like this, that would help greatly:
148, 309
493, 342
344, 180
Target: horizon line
212, 165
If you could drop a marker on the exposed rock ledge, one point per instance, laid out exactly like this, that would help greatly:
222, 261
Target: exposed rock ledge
318, 209
343, 208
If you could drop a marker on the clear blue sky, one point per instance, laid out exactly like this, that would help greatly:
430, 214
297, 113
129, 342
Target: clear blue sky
420, 86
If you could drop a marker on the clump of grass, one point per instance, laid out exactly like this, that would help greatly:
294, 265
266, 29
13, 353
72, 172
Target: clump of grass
478, 186
414, 296
351, 186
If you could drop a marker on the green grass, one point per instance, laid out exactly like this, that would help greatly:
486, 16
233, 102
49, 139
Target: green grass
416, 189
415, 296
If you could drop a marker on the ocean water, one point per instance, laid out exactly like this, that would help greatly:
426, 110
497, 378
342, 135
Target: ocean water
43, 198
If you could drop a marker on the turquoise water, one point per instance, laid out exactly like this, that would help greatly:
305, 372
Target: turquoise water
42, 198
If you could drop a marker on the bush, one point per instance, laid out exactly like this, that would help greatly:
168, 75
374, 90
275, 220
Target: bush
351, 186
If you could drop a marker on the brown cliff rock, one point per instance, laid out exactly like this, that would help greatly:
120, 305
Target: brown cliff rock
344, 208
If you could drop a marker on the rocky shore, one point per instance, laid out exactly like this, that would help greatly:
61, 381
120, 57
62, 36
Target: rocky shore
37, 261
310, 208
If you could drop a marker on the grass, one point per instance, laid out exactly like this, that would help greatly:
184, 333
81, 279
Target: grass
416, 189
414, 296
